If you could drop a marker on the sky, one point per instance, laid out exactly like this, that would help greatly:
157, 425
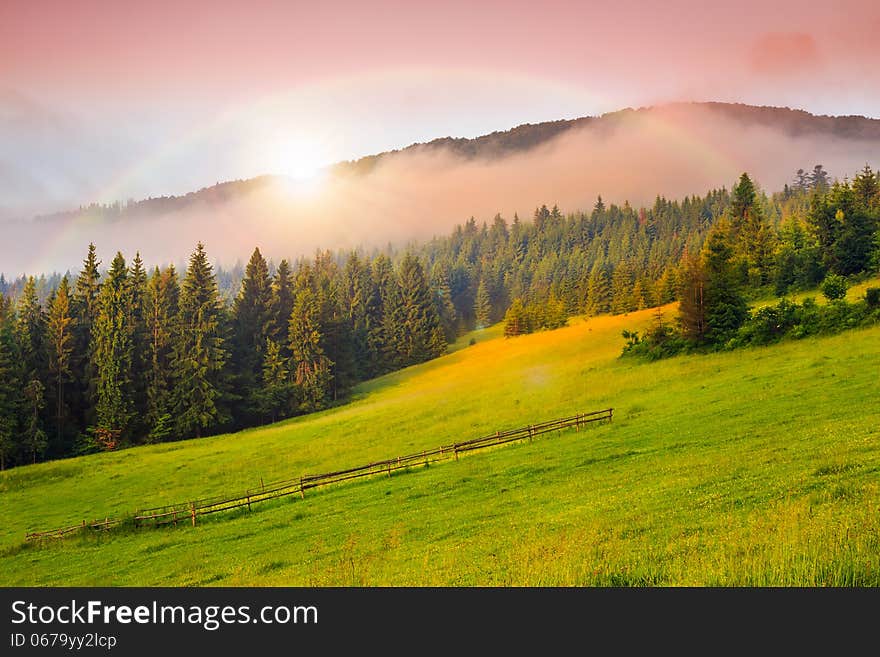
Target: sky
105, 101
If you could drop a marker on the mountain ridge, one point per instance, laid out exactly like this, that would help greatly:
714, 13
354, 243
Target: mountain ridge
498, 145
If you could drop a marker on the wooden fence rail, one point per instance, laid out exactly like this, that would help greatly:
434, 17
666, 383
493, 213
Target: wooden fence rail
188, 511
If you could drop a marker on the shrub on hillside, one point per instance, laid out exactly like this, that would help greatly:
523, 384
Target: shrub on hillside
834, 287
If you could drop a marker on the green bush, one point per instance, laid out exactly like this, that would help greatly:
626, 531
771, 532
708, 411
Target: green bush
834, 287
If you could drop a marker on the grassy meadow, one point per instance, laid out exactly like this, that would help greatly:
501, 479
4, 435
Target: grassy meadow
754, 467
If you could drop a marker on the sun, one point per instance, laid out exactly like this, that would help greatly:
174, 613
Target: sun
299, 157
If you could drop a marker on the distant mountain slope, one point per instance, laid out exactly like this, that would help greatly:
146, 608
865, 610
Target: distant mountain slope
501, 144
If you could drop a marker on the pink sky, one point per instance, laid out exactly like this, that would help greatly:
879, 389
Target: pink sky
90, 91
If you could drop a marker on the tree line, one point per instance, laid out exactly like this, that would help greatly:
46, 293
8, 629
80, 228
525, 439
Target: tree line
124, 356
831, 233
128, 357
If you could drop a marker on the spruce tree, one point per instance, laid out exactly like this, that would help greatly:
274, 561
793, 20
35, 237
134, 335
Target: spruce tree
10, 387
113, 353
422, 336
445, 307
385, 336
137, 300
163, 295
199, 353
725, 307
84, 308
35, 440
61, 343
252, 325
281, 305
692, 298
482, 306
31, 332
336, 326
598, 299
310, 365
621, 289
361, 298
276, 392
515, 320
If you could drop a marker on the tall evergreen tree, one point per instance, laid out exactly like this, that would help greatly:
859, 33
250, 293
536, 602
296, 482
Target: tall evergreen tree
276, 393
252, 326
137, 300
483, 306
199, 354
385, 337
162, 299
281, 305
516, 320
725, 307
621, 288
443, 298
31, 332
84, 308
60, 342
751, 238
422, 336
113, 352
35, 440
598, 296
692, 298
310, 365
10, 386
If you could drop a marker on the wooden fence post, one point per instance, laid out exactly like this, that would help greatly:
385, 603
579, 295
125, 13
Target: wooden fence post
192, 508
455, 449
302, 491
249, 501
577, 423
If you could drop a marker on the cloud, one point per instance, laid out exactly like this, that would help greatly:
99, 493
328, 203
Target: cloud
784, 54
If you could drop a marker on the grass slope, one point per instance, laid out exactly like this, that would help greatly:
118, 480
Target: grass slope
759, 466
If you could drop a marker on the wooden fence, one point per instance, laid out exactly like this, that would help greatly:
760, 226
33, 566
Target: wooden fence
189, 511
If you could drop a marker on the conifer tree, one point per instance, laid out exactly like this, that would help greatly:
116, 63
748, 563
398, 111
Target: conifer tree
161, 316
310, 365
252, 325
360, 297
60, 343
422, 337
515, 320
31, 332
335, 322
621, 289
276, 392
445, 307
10, 387
725, 307
35, 440
199, 353
385, 336
84, 308
483, 306
281, 305
113, 352
137, 299
692, 299
598, 292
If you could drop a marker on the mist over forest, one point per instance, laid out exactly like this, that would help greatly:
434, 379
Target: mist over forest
425, 190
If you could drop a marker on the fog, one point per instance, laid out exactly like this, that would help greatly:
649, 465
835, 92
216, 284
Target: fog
672, 151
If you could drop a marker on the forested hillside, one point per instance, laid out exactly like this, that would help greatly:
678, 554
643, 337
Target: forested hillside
126, 355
